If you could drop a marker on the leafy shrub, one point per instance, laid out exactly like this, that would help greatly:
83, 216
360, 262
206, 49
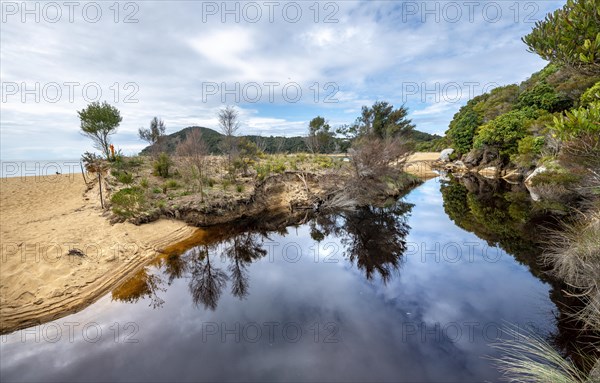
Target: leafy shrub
543, 96
590, 95
569, 36
577, 122
561, 177
125, 178
162, 165
528, 151
226, 183
127, 202
505, 131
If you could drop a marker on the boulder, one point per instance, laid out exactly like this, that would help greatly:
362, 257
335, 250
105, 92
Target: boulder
473, 158
541, 169
489, 155
445, 155
456, 167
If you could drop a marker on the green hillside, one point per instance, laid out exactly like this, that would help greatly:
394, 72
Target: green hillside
270, 144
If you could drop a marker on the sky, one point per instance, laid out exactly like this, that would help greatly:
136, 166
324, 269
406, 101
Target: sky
279, 63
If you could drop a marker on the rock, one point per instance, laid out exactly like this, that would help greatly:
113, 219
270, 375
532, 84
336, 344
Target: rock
473, 158
489, 155
445, 155
456, 167
461, 165
489, 172
540, 170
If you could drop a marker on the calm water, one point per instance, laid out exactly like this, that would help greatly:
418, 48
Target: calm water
382, 294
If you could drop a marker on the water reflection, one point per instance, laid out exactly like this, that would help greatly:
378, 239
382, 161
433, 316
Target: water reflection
373, 239
393, 315
504, 215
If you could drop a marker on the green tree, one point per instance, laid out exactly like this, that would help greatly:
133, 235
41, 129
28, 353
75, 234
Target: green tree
99, 122
154, 134
569, 36
463, 126
383, 121
320, 136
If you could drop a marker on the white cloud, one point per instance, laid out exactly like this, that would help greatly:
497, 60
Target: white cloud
369, 54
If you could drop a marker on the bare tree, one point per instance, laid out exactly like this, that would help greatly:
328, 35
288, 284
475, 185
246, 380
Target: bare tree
373, 160
193, 151
279, 144
154, 134
229, 124
261, 143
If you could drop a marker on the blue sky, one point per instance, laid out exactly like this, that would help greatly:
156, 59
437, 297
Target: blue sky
178, 59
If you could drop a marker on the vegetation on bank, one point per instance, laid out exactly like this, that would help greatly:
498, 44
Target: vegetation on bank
180, 173
550, 123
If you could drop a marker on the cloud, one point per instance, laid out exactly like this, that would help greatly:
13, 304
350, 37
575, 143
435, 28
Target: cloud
161, 64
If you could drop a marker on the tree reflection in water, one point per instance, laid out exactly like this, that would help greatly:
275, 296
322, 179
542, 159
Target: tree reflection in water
373, 238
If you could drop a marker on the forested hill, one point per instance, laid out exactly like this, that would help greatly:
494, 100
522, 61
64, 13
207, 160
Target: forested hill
268, 144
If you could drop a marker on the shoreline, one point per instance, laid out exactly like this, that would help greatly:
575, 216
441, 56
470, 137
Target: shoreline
43, 217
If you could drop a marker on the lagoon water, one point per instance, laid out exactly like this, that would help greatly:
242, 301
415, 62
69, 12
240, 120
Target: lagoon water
400, 293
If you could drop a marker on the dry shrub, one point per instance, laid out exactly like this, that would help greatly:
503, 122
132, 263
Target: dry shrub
574, 254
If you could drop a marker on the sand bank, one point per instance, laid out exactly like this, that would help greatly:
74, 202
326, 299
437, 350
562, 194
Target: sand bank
41, 219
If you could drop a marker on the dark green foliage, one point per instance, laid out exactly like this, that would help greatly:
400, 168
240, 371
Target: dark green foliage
543, 96
569, 36
505, 131
463, 126
383, 121
213, 141
271, 144
320, 137
528, 151
99, 122
127, 202
124, 177
500, 100
162, 165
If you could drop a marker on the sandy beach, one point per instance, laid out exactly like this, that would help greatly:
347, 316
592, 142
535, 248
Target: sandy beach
41, 219
419, 164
